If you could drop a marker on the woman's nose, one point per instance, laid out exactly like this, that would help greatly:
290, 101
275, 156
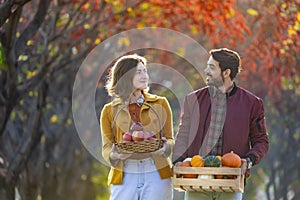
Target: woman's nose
145, 75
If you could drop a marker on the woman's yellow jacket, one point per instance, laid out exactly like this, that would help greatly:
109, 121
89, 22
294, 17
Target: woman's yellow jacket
150, 123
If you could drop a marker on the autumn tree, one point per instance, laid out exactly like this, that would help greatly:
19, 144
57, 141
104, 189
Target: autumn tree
42, 44
273, 65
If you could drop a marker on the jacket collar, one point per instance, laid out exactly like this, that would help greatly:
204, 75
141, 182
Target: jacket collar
231, 93
234, 89
148, 98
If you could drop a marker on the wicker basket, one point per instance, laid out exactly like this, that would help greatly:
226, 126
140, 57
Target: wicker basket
145, 146
208, 185
139, 147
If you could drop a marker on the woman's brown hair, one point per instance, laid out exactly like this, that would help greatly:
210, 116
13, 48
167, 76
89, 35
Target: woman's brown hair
121, 75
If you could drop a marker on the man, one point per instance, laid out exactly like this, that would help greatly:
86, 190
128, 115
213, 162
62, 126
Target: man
220, 118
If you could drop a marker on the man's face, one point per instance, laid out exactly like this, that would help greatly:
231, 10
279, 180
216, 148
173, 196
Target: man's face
213, 73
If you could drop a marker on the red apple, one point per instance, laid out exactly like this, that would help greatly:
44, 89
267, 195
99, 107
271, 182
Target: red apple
127, 137
149, 135
137, 136
137, 126
152, 138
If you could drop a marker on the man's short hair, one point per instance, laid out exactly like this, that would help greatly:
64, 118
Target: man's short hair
228, 59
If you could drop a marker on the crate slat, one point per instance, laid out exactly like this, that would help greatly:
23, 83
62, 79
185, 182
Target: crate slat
207, 170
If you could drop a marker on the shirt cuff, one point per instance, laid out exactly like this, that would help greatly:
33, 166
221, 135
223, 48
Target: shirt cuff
252, 158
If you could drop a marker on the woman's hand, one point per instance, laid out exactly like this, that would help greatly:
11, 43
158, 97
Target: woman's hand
115, 156
164, 151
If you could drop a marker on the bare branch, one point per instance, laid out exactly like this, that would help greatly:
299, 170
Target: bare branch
9, 7
34, 81
33, 27
5, 10
25, 149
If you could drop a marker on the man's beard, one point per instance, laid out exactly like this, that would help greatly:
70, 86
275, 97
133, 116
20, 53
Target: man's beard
218, 82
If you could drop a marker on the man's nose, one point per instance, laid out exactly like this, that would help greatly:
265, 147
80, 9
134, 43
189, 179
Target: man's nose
206, 70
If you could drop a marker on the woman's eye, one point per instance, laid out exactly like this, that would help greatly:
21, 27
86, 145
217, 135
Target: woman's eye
140, 71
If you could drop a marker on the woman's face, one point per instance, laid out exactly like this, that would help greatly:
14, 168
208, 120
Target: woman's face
141, 77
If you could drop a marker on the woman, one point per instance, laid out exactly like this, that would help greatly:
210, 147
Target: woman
136, 176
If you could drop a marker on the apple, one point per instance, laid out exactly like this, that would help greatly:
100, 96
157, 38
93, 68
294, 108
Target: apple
152, 138
127, 137
137, 136
137, 126
149, 135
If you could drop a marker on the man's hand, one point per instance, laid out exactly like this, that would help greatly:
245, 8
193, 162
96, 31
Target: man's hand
244, 166
245, 171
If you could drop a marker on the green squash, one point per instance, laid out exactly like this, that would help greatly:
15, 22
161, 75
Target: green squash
211, 161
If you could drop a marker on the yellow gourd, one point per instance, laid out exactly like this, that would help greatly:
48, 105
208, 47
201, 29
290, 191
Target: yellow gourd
197, 161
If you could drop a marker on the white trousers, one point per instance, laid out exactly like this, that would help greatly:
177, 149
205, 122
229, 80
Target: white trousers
213, 195
141, 181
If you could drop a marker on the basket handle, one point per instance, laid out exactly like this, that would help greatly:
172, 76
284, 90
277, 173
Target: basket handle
151, 107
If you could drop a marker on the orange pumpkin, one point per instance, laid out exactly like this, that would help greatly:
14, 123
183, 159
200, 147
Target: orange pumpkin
229, 176
197, 161
221, 176
188, 164
231, 160
185, 164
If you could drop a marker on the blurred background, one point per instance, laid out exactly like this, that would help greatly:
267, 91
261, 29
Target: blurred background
44, 42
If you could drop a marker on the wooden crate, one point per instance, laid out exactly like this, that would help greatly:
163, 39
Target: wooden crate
208, 185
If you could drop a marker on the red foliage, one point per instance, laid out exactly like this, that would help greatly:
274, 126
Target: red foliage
269, 51
274, 52
77, 33
211, 18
